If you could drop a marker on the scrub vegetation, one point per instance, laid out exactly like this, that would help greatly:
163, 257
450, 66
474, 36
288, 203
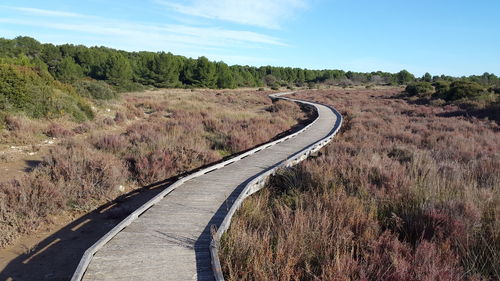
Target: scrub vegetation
408, 191
473, 98
144, 138
404, 192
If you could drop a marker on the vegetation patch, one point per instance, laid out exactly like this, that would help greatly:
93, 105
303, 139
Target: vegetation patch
153, 136
403, 193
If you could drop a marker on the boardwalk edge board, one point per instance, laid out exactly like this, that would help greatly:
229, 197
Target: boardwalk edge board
258, 183
90, 252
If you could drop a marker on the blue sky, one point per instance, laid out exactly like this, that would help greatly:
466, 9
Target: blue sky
455, 37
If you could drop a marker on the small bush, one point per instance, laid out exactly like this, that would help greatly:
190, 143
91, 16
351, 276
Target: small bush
57, 131
419, 89
442, 88
25, 203
154, 166
112, 143
401, 155
437, 102
464, 89
83, 128
108, 122
13, 123
95, 89
84, 174
72, 176
120, 118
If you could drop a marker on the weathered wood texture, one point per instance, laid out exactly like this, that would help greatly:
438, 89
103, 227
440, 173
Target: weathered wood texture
171, 240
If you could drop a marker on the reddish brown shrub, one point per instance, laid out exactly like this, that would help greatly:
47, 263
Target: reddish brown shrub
177, 132
120, 117
154, 166
24, 203
86, 174
83, 128
57, 131
13, 123
426, 186
111, 143
108, 122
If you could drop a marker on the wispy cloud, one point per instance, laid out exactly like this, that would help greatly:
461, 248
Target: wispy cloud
262, 13
195, 38
48, 13
200, 36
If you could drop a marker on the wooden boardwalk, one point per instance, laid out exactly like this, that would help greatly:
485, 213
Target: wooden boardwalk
171, 240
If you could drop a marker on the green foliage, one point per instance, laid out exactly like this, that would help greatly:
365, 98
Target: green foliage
270, 80
126, 70
117, 69
27, 45
419, 89
67, 70
225, 79
205, 73
31, 67
404, 77
157, 69
95, 89
464, 89
442, 88
427, 77
24, 89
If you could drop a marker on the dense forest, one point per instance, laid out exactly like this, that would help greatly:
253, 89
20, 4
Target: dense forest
45, 80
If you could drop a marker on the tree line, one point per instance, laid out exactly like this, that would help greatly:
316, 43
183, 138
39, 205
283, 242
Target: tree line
68, 63
62, 77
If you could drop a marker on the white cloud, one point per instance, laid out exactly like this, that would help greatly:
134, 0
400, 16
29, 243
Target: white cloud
184, 39
262, 13
48, 13
154, 33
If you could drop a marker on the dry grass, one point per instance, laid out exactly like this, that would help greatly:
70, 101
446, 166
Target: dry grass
144, 138
401, 194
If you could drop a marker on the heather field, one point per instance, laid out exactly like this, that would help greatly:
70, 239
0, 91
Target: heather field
404, 192
135, 141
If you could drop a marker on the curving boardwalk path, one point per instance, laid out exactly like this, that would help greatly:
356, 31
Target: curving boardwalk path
171, 240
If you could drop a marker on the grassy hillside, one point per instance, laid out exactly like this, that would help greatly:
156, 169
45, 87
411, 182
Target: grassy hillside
28, 89
403, 193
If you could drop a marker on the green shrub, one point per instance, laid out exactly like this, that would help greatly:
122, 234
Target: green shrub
437, 102
420, 89
95, 89
129, 86
464, 89
38, 95
495, 90
442, 88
